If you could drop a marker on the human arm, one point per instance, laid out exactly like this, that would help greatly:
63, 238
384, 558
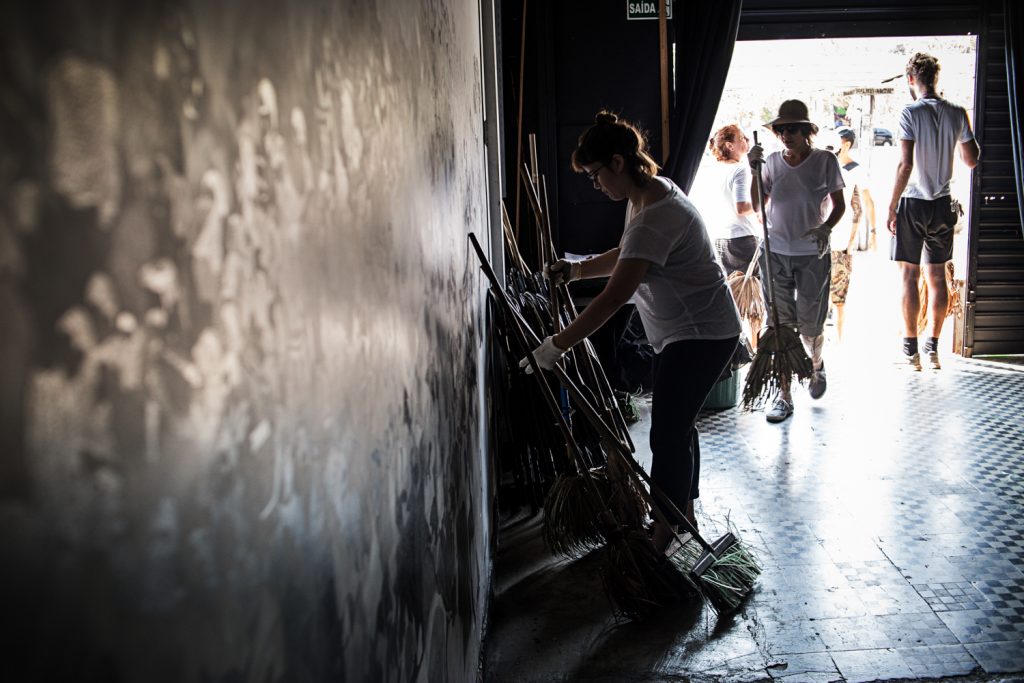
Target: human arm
970, 153
869, 207
822, 233
903, 171
856, 202
755, 157
740, 183
598, 266
625, 278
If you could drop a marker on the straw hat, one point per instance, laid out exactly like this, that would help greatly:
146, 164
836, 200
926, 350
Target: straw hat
792, 111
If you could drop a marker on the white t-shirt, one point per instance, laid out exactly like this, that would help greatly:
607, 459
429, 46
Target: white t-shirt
683, 294
798, 199
719, 187
935, 126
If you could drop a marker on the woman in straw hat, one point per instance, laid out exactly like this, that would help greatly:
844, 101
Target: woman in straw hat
803, 195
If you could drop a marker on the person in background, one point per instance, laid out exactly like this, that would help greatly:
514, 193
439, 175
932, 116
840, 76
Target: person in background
860, 200
921, 214
858, 196
803, 195
724, 201
665, 262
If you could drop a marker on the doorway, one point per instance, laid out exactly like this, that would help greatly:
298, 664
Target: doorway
859, 84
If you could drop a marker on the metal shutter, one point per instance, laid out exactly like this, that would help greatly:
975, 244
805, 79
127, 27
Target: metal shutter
994, 302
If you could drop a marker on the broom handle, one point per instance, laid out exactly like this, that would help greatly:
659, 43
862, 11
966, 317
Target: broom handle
767, 245
549, 398
603, 395
620, 449
753, 262
598, 375
510, 240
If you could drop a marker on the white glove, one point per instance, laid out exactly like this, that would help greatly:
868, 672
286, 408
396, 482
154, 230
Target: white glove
822, 236
755, 156
546, 355
563, 271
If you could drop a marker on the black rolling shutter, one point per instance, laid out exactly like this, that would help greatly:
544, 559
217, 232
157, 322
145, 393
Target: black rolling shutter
995, 289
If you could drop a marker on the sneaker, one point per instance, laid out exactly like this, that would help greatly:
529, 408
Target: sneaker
933, 361
780, 410
913, 361
818, 384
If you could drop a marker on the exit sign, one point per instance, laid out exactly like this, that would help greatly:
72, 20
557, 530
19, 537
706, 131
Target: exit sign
646, 9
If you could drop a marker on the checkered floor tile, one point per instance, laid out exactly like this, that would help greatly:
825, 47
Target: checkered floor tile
951, 597
999, 657
891, 537
984, 625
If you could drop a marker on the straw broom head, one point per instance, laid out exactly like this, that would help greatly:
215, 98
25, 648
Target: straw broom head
571, 515
638, 579
780, 355
746, 290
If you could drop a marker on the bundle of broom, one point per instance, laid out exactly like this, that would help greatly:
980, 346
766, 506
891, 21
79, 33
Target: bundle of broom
565, 507
723, 571
638, 579
780, 354
953, 286
570, 526
746, 291
749, 296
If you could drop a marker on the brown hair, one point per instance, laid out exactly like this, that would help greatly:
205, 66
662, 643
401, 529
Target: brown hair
924, 68
609, 136
729, 133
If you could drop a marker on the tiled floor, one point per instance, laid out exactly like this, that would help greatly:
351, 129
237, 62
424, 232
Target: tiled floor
889, 517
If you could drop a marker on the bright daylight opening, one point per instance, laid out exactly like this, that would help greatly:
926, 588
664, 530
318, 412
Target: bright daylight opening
856, 83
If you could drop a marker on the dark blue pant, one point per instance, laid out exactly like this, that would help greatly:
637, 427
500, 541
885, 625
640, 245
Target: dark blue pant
684, 374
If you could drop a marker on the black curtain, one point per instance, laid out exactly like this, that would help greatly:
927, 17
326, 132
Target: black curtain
1012, 19
705, 33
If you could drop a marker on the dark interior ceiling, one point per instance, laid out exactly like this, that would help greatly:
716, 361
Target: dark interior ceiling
775, 19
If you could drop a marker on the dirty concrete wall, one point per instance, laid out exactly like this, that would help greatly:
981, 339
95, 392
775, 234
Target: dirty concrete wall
240, 340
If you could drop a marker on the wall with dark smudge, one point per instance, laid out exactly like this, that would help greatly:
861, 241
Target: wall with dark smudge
240, 340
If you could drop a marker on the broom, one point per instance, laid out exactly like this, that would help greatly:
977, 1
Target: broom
725, 570
638, 579
568, 512
780, 354
746, 291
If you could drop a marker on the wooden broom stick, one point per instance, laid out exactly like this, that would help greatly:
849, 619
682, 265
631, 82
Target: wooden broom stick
663, 49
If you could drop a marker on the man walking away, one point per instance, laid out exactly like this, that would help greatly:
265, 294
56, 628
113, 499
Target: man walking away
921, 216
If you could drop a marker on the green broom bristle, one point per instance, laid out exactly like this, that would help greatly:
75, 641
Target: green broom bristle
729, 578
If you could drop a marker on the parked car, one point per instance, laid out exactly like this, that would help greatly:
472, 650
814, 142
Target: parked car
883, 136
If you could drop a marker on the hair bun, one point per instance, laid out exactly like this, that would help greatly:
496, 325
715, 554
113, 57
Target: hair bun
606, 117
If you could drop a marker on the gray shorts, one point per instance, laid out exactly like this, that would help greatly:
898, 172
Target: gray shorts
801, 291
